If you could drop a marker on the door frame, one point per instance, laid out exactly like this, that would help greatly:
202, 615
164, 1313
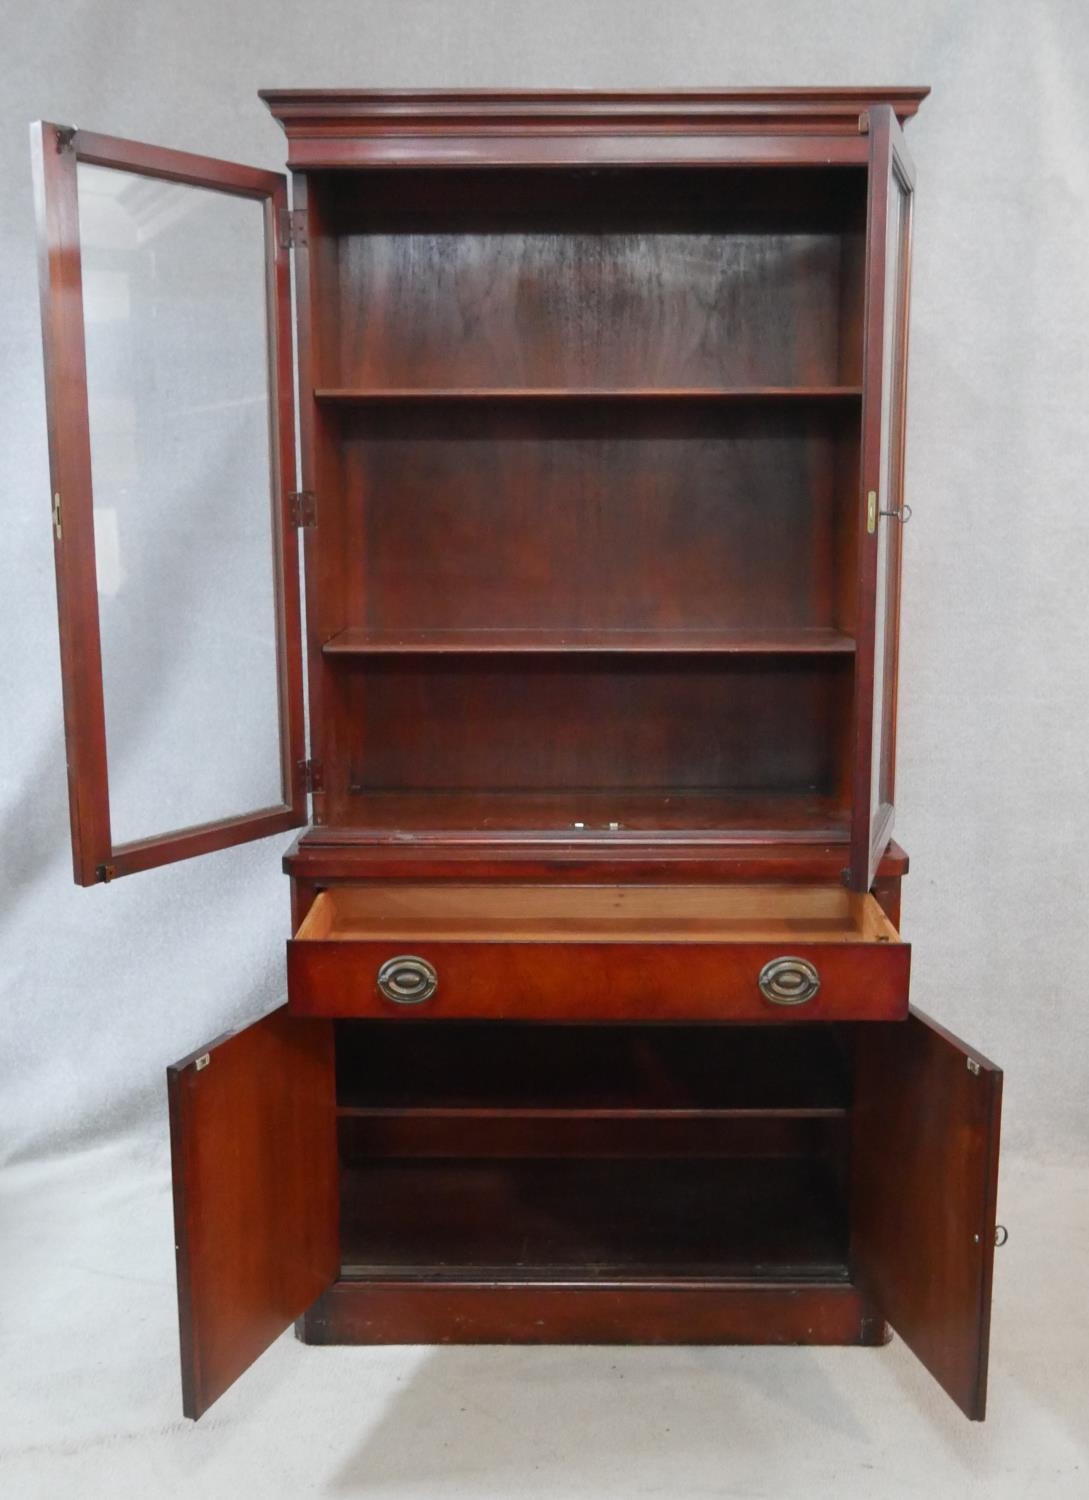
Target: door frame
57, 150
883, 432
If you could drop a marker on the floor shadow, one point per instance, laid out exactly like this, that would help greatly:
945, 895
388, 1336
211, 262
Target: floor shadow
597, 1421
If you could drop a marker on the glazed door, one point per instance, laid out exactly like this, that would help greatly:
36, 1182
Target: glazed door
167, 340
256, 1205
888, 269
924, 1162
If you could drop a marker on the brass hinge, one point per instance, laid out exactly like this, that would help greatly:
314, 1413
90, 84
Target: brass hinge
312, 777
864, 122
871, 511
292, 228
57, 515
304, 508
105, 873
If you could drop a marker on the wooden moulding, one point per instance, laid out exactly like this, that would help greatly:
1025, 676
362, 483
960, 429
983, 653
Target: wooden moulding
344, 127
324, 856
584, 109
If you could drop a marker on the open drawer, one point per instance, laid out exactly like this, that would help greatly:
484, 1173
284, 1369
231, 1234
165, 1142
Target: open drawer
598, 953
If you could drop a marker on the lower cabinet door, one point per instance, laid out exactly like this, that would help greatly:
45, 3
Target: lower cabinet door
253, 1143
924, 1183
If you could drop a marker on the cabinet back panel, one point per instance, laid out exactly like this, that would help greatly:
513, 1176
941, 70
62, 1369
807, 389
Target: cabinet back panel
712, 277
746, 1216
604, 517
476, 723
509, 1065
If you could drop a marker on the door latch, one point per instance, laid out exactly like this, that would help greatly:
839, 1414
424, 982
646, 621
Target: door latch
903, 514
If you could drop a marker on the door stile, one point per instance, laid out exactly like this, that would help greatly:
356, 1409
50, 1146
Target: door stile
285, 539
306, 212
888, 237
65, 364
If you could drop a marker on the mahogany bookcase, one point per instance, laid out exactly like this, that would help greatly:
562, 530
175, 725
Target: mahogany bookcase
597, 1023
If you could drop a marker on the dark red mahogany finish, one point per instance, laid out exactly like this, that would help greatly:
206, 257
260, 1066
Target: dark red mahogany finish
601, 420
255, 1195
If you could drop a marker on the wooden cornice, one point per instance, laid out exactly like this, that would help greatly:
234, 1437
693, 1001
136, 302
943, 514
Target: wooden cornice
474, 110
473, 127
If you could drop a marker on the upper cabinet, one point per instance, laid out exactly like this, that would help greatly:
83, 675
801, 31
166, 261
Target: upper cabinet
167, 337
601, 418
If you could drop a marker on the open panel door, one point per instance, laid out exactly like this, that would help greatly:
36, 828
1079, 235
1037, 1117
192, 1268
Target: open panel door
256, 1203
888, 276
166, 330
924, 1183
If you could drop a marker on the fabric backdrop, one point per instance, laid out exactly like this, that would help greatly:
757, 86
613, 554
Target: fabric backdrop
101, 988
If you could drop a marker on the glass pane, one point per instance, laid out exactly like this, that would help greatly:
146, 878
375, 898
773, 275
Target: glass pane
177, 337
890, 498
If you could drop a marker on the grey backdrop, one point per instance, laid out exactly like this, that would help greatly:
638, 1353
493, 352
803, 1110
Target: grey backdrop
101, 988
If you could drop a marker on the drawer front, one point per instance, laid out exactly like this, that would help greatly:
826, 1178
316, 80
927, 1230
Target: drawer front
613, 981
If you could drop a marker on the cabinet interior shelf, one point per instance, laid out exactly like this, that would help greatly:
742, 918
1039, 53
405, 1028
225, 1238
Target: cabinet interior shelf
578, 814
487, 1092
589, 1111
570, 395
367, 641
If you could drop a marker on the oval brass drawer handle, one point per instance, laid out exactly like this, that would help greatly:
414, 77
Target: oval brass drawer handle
407, 979
789, 981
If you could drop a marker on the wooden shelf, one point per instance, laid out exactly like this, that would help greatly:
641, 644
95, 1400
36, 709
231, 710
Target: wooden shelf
575, 814
455, 1113
570, 395
356, 641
